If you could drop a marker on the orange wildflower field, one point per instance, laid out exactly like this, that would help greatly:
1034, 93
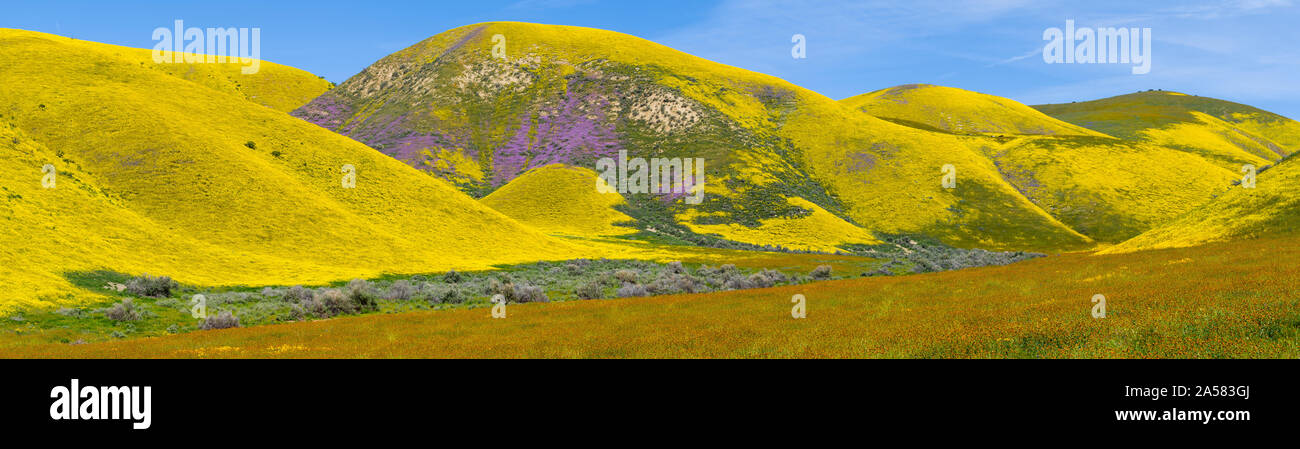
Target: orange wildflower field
1225, 300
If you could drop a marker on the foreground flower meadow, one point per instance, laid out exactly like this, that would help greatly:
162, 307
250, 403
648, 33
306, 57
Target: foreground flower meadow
1232, 300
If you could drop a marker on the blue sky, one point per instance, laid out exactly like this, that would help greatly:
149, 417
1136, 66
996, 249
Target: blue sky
1241, 50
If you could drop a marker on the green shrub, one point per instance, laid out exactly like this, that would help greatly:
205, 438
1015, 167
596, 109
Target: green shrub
310, 307
446, 294
737, 282
401, 291
71, 312
822, 272
590, 290
675, 267
146, 285
123, 311
363, 296
632, 291
223, 320
772, 277
625, 276
334, 302
530, 293
297, 294
758, 280
670, 283
500, 287
574, 268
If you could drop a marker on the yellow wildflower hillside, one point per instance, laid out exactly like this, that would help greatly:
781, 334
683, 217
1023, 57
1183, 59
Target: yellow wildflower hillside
891, 177
818, 231
959, 111
887, 176
1105, 188
159, 174
75, 225
560, 199
1271, 208
1225, 133
276, 86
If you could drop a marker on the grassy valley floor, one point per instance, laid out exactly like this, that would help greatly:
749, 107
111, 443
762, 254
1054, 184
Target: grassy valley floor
1239, 299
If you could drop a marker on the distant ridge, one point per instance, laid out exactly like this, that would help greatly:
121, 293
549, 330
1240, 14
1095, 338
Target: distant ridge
959, 111
1226, 133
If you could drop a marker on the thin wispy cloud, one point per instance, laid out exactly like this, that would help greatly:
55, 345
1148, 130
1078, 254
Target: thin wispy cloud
1030, 54
1227, 9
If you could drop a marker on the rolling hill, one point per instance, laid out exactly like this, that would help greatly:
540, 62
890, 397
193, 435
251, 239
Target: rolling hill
953, 110
162, 174
559, 199
79, 226
817, 230
198, 172
1272, 208
276, 86
1106, 188
1226, 133
556, 94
